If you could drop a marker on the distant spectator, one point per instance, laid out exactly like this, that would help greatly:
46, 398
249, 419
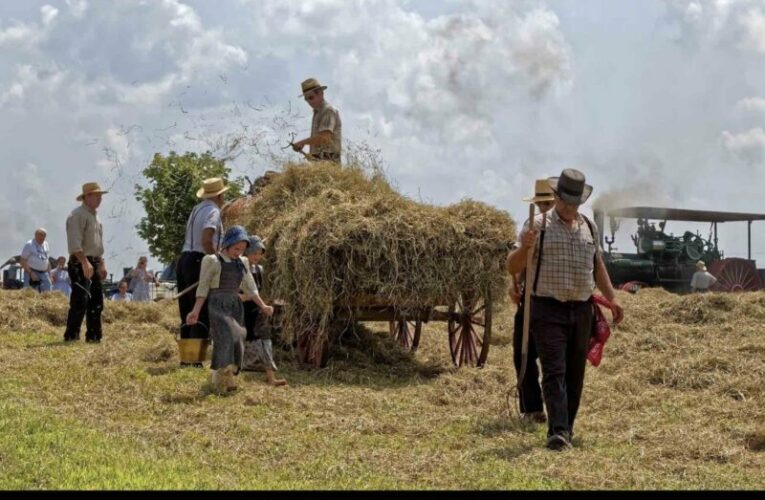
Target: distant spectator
141, 280
122, 294
702, 280
34, 260
60, 277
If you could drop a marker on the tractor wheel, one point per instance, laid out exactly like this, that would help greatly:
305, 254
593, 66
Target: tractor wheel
735, 275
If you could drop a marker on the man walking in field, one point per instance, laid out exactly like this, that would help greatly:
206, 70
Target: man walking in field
326, 127
84, 236
567, 264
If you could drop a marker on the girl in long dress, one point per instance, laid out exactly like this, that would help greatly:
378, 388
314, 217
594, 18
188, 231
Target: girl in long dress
258, 348
221, 278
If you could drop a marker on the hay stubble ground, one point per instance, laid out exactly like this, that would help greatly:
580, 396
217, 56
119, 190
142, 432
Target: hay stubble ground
676, 404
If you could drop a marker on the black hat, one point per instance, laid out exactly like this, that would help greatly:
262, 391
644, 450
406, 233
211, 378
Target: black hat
570, 186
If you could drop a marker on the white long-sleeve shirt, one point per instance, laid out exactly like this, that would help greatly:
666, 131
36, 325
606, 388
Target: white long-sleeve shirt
209, 276
702, 280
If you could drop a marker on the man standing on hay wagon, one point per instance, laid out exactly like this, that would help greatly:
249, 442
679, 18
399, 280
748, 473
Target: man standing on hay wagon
84, 237
204, 231
326, 127
566, 265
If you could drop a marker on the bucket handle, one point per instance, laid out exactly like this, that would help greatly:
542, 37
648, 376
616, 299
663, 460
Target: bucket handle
207, 329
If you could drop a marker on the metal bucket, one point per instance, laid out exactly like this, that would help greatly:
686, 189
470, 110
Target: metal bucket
193, 350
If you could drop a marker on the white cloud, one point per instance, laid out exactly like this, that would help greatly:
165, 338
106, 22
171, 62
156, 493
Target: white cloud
384, 57
748, 146
754, 21
77, 7
752, 104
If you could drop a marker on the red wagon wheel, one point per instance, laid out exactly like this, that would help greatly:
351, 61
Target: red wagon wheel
735, 275
470, 331
313, 349
406, 333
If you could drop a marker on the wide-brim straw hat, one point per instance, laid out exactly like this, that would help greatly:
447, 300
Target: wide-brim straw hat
542, 192
701, 266
90, 188
211, 188
311, 84
570, 186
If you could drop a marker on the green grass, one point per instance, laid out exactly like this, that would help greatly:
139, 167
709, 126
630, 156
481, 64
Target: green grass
122, 415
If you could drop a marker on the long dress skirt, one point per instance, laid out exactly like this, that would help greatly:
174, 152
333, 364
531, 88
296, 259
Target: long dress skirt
226, 329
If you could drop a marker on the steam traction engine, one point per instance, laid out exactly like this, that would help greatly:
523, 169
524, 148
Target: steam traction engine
669, 261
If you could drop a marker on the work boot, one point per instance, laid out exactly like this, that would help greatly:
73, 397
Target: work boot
558, 442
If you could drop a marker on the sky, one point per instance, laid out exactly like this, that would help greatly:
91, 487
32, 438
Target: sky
657, 102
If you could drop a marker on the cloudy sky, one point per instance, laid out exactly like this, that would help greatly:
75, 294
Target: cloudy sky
657, 101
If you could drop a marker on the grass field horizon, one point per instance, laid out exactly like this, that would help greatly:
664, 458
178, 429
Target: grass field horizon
676, 404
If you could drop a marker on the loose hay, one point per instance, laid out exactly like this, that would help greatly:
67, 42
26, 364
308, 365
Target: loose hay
338, 237
380, 421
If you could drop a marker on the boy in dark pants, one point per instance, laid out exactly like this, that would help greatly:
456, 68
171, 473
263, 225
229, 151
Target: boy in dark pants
529, 391
204, 231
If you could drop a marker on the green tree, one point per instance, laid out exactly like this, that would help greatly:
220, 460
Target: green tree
172, 194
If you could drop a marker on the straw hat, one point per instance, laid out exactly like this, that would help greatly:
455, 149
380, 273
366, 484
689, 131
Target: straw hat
570, 186
90, 188
701, 266
311, 84
211, 188
542, 192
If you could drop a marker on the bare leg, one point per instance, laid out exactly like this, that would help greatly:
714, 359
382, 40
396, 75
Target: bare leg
271, 378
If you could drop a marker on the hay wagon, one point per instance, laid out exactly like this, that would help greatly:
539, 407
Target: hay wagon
468, 322
344, 247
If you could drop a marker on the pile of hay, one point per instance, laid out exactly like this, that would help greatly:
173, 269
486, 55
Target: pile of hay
336, 234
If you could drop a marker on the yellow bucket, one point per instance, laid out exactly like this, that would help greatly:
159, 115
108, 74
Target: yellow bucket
192, 350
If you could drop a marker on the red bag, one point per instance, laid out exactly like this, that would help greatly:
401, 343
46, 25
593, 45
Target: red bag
600, 331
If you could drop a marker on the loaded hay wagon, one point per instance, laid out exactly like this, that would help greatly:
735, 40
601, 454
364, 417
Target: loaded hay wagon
344, 247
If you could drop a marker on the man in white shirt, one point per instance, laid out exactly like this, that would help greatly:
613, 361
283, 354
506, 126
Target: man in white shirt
204, 231
34, 260
702, 280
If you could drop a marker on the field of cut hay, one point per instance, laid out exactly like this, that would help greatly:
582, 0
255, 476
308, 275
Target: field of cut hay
678, 403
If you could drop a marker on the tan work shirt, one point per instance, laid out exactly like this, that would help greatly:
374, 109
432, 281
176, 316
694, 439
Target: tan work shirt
327, 118
209, 276
566, 272
84, 232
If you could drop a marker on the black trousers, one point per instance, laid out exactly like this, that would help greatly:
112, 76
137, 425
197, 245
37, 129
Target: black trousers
187, 273
86, 301
562, 332
251, 316
530, 392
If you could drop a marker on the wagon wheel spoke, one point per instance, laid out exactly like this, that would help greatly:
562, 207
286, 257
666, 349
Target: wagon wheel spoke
417, 334
479, 310
402, 333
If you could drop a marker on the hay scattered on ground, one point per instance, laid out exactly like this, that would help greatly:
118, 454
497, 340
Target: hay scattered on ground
337, 236
678, 403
